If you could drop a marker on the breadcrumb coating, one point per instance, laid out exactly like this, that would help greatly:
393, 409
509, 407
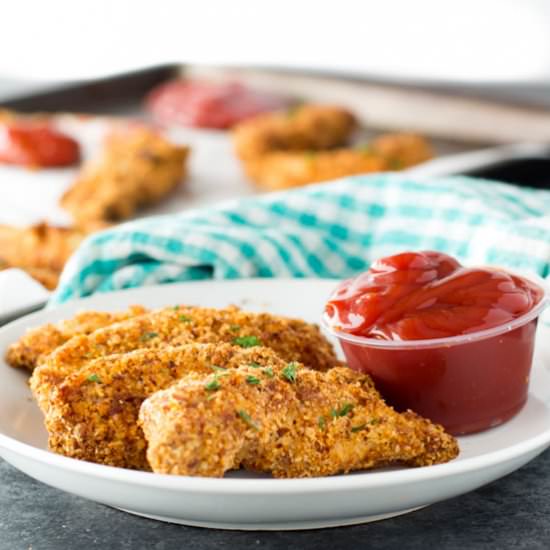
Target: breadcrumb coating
401, 150
308, 127
284, 169
295, 423
312, 144
93, 414
290, 338
39, 342
41, 250
138, 167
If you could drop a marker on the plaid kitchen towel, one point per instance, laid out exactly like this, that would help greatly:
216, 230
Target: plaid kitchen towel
328, 230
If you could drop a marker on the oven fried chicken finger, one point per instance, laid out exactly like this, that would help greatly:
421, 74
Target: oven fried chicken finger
293, 422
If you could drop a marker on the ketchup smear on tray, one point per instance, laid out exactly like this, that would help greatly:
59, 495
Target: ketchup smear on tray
36, 145
424, 295
413, 322
208, 104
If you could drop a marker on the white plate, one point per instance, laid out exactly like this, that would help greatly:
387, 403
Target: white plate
243, 501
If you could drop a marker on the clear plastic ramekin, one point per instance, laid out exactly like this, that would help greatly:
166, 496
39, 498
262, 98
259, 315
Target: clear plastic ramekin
467, 383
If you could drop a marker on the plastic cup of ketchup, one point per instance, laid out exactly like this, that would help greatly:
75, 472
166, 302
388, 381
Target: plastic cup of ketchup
452, 343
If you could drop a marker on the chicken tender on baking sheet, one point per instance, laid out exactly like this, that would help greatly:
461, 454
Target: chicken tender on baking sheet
39, 342
401, 150
308, 127
9, 116
41, 250
285, 169
293, 422
93, 414
138, 167
290, 338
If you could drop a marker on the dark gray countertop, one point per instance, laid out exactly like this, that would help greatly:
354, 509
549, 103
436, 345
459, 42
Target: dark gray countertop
513, 512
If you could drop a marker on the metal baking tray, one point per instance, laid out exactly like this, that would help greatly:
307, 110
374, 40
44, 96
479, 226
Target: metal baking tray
475, 154
121, 94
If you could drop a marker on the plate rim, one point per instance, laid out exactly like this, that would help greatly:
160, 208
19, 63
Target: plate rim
211, 485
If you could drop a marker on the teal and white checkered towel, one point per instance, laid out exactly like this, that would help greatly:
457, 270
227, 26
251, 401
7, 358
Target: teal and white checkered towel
327, 230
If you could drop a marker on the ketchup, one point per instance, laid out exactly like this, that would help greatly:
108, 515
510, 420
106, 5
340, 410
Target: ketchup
424, 295
413, 322
36, 145
208, 104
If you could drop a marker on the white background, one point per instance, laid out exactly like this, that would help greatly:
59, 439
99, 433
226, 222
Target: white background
436, 40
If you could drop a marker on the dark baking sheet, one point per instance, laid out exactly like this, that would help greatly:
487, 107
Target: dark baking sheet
529, 171
123, 95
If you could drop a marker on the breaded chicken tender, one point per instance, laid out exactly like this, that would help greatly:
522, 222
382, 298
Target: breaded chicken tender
308, 127
290, 338
93, 414
9, 116
312, 144
138, 167
41, 250
401, 150
285, 169
291, 422
39, 342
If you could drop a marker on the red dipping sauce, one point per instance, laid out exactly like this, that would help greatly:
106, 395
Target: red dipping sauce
36, 145
208, 104
454, 344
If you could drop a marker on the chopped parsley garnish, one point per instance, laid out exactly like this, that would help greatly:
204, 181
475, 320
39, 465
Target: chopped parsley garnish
175, 308
255, 365
94, 378
185, 319
289, 372
310, 155
268, 371
344, 410
365, 148
218, 369
358, 428
375, 421
321, 422
247, 341
253, 380
293, 109
395, 164
213, 385
235, 328
149, 336
246, 417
